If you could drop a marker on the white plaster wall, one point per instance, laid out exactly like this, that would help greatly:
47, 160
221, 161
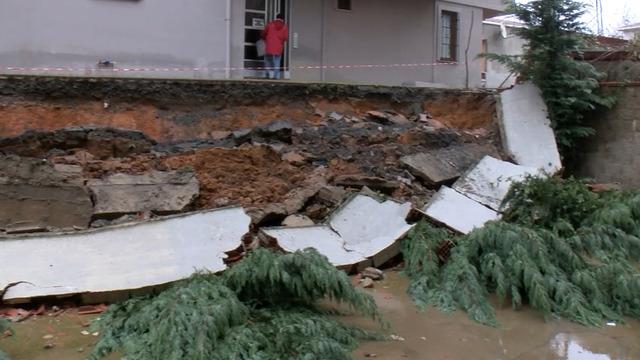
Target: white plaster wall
79, 33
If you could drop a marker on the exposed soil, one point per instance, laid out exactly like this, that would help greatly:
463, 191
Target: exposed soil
180, 122
248, 176
463, 112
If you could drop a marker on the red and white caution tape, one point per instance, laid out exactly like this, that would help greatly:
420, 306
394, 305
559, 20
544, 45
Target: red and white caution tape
215, 69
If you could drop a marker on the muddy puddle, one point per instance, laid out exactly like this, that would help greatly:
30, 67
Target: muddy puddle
523, 335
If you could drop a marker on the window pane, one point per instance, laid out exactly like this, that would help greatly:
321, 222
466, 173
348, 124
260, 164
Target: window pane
344, 4
251, 52
256, 5
251, 35
255, 19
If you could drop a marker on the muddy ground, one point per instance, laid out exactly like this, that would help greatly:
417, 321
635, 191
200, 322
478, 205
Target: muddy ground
523, 335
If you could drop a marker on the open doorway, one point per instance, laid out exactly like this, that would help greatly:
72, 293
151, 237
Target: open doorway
257, 14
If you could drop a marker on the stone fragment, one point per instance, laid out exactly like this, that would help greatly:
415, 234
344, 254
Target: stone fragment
220, 135
443, 165
490, 180
373, 273
388, 117
297, 221
527, 135
120, 258
155, 191
280, 130
359, 181
367, 283
34, 195
332, 195
294, 158
335, 116
457, 211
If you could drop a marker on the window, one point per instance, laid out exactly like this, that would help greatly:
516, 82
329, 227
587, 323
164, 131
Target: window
344, 5
448, 36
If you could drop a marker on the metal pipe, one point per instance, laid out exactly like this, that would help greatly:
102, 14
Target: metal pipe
228, 46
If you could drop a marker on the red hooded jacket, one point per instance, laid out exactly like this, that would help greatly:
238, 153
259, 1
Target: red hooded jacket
275, 34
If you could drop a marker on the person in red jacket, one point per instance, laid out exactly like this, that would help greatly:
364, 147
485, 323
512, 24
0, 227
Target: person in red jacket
275, 34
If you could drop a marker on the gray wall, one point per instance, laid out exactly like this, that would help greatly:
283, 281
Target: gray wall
379, 32
78, 33
613, 154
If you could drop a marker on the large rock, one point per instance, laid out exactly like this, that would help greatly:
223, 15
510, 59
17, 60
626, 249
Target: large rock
457, 211
157, 191
120, 258
443, 165
526, 129
35, 196
489, 182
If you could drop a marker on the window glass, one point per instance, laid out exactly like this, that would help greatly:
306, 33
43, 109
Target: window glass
344, 4
448, 36
256, 5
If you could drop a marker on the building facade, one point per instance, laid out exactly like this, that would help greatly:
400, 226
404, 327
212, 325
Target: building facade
353, 41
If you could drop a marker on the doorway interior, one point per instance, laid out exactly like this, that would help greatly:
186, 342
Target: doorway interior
257, 14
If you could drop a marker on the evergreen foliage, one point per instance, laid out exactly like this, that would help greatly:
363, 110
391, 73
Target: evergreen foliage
4, 326
266, 307
554, 35
562, 250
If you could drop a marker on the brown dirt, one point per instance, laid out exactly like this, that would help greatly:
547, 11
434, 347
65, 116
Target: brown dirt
249, 176
174, 123
463, 111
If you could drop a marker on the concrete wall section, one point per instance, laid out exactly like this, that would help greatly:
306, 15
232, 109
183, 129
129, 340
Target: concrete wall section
79, 33
612, 155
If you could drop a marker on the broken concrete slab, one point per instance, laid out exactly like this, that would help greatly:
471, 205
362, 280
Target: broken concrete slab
444, 165
489, 182
526, 130
362, 229
158, 191
371, 227
457, 211
34, 195
120, 258
322, 238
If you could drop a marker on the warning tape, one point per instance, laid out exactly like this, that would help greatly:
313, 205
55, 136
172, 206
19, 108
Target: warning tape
216, 69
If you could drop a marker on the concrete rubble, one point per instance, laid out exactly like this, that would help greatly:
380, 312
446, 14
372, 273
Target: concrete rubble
458, 212
120, 258
35, 196
443, 165
163, 192
362, 229
489, 182
526, 130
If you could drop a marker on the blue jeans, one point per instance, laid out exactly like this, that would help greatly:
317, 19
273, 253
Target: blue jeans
272, 63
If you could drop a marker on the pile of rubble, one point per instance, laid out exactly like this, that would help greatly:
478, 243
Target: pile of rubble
343, 183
